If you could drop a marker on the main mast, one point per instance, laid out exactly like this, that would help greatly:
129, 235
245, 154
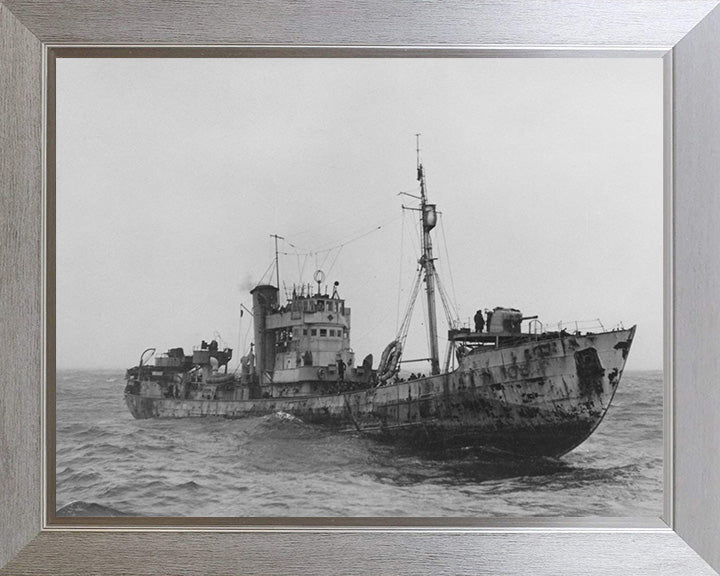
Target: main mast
277, 265
429, 219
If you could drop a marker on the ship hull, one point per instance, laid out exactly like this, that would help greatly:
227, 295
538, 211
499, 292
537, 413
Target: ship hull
539, 398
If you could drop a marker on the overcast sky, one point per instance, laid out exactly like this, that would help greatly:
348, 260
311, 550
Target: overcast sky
172, 174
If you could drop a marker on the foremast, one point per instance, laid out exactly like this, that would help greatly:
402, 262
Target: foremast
429, 219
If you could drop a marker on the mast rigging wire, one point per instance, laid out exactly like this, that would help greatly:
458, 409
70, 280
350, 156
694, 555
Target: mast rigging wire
269, 268
326, 251
332, 264
447, 261
400, 275
319, 251
407, 317
451, 315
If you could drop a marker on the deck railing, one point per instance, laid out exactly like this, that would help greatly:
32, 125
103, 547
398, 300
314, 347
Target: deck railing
536, 327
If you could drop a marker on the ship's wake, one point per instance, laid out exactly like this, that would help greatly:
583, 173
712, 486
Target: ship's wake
281, 416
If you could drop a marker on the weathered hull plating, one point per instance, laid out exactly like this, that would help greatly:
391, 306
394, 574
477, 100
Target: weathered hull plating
541, 398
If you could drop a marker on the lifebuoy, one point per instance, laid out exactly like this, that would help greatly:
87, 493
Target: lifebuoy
321, 373
390, 361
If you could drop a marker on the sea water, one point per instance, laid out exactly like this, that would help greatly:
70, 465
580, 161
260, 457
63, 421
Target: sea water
277, 465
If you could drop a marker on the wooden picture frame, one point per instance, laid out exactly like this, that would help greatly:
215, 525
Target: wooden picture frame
685, 34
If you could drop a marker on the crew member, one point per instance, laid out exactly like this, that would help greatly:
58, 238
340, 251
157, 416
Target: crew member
479, 321
341, 370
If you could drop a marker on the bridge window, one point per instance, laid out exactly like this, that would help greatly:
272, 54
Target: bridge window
313, 332
323, 332
304, 331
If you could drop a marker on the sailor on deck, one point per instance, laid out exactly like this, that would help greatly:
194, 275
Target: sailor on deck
479, 321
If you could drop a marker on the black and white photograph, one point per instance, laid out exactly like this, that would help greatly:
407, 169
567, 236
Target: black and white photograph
359, 287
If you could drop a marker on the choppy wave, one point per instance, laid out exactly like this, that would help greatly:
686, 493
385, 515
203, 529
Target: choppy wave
109, 464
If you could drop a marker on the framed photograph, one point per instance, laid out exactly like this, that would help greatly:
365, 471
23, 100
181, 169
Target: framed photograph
343, 377
219, 214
